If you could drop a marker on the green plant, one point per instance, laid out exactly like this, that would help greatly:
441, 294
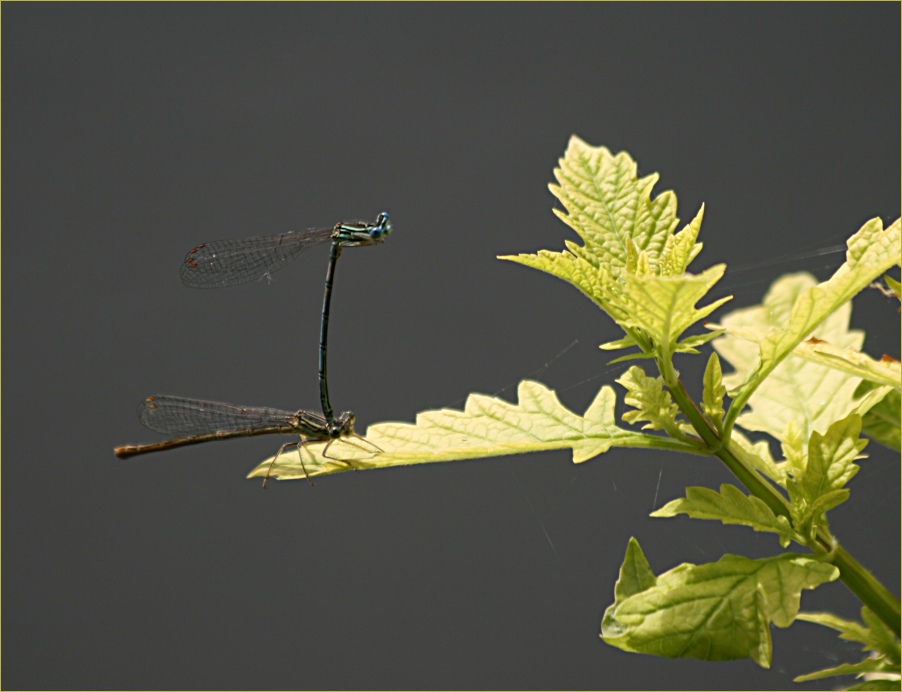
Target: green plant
798, 376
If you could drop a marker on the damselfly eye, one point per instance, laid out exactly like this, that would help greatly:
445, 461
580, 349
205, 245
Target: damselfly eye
383, 223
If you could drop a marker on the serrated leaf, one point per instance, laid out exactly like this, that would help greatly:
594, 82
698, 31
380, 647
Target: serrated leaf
730, 506
871, 251
881, 420
807, 516
807, 394
757, 456
880, 638
713, 391
651, 402
818, 479
831, 458
718, 611
680, 248
795, 449
848, 629
625, 232
664, 306
597, 283
487, 427
607, 203
875, 636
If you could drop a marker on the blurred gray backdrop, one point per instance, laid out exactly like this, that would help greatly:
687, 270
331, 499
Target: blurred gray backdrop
132, 132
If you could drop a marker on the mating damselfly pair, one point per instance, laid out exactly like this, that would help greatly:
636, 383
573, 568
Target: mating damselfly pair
230, 263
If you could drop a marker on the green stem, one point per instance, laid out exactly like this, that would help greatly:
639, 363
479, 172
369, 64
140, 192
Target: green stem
748, 477
859, 580
870, 591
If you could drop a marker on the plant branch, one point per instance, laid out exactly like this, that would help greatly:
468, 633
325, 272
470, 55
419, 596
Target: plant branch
859, 580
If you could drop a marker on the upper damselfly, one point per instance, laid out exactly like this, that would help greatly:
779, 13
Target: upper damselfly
233, 262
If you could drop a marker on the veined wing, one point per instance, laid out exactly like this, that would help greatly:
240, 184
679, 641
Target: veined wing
179, 416
237, 261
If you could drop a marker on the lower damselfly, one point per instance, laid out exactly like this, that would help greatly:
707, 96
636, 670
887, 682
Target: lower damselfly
193, 421
233, 262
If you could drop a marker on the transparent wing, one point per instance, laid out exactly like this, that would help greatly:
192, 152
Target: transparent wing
233, 262
178, 416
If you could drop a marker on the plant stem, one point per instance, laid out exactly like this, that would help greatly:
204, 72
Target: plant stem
748, 477
870, 591
859, 580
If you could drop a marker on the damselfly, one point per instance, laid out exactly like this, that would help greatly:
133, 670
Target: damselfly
194, 421
232, 262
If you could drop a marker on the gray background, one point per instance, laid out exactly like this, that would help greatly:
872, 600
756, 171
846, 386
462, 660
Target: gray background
132, 132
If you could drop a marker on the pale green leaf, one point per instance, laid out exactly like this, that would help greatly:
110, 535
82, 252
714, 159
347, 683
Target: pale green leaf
795, 449
818, 480
758, 457
607, 203
717, 611
651, 402
848, 629
808, 515
713, 391
798, 391
880, 638
730, 506
597, 283
663, 307
886, 371
625, 231
871, 251
487, 427
875, 636
868, 665
680, 248
690, 343
626, 342
631, 356
831, 458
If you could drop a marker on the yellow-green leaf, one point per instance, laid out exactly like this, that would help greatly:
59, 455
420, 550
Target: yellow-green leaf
831, 458
487, 427
717, 611
631, 264
797, 391
651, 402
818, 477
607, 203
713, 391
886, 371
875, 636
730, 506
663, 307
881, 419
794, 316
